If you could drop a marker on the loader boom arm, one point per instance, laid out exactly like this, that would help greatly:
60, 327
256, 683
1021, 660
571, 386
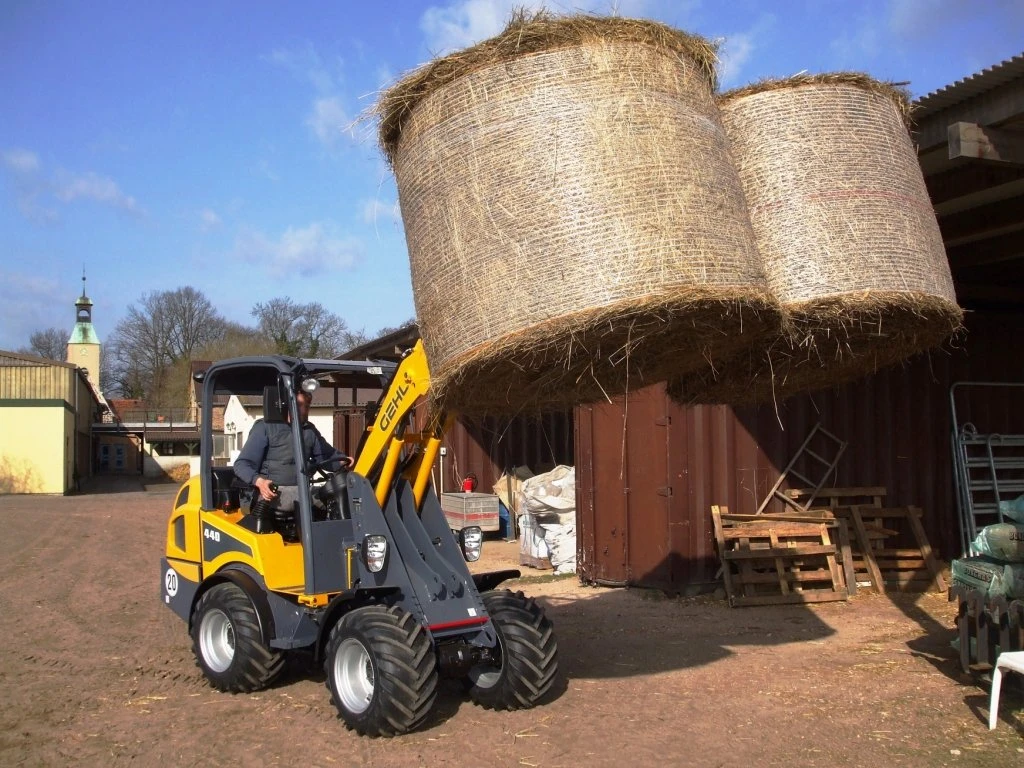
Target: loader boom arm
388, 435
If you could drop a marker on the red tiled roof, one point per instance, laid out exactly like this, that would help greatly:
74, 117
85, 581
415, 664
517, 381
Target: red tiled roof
217, 420
122, 405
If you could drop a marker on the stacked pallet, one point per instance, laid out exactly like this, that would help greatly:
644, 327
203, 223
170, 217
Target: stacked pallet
891, 550
778, 559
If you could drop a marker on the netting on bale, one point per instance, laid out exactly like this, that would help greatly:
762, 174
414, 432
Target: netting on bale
574, 222
846, 231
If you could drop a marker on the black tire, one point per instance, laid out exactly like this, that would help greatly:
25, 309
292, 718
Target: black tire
381, 671
528, 654
227, 642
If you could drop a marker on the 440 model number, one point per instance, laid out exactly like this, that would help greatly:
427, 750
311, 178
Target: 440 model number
211, 534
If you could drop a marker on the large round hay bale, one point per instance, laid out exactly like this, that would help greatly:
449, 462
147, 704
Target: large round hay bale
574, 222
846, 232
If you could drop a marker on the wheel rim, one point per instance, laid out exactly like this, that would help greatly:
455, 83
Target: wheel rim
488, 675
217, 640
353, 675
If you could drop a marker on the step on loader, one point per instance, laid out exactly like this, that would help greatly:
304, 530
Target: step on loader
364, 572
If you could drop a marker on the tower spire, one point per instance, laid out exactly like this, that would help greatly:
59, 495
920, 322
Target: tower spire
84, 344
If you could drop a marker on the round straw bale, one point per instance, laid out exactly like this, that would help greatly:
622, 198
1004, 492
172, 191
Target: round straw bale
846, 231
574, 223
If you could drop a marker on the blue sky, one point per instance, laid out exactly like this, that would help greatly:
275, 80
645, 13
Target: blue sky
209, 143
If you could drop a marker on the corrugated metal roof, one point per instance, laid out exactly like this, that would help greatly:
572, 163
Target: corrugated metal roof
18, 359
973, 85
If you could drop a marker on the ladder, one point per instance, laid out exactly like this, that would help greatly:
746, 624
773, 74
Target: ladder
813, 485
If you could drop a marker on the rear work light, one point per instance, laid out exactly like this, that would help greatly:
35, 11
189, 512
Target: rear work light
375, 552
472, 541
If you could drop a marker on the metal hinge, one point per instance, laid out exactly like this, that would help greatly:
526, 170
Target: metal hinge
665, 490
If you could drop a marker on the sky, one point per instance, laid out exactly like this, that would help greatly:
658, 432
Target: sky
225, 145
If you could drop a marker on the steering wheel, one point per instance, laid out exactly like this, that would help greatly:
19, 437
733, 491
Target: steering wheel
334, 482
321, 468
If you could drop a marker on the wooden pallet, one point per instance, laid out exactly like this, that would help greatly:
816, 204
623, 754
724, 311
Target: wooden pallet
861, 496
770, 560
880, 561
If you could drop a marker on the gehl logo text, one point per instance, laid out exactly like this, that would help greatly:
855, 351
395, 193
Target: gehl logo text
392, 407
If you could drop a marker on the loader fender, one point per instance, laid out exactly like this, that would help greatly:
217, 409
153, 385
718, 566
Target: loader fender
256, 593
345, 602
485, 582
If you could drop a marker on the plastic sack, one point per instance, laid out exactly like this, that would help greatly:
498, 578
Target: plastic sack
551, 496
561, 541
993, 578
1013, 509
1002, 541
533, 549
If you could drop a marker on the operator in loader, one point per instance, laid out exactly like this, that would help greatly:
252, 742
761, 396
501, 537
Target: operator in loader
267, 457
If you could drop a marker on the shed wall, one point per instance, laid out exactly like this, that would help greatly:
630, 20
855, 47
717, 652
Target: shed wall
649, 471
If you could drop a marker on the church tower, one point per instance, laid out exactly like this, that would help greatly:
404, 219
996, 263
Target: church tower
84, 344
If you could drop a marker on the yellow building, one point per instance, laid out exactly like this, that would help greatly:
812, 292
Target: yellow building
47, 409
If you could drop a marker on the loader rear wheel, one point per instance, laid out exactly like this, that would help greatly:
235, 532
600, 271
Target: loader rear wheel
228, 644
527, 654
381, 671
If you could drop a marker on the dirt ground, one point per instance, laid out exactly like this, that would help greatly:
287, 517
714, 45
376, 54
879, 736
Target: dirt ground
94, 670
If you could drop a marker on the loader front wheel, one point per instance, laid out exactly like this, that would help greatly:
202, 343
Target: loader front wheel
228, 644
527, 661
381, 671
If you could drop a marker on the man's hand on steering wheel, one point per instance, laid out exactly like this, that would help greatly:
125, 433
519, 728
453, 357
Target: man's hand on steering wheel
347, 462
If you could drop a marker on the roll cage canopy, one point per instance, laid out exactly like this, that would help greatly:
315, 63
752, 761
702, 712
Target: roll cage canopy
252, 374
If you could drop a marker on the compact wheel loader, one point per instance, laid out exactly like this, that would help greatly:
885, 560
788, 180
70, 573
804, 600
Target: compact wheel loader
364, 572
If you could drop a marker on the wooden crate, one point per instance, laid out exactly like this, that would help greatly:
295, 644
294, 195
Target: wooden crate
777, 559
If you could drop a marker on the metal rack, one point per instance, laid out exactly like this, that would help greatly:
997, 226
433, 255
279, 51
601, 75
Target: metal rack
987, 468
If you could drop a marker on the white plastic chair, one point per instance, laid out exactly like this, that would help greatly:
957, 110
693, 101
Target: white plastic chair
1014, 660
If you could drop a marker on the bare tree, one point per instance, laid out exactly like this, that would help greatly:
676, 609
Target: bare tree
237, 340
165, 327
51, 343
410, 323
303, 330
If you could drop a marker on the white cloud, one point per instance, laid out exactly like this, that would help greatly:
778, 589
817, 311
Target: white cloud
328, 120
306, 63
921, 19
35, 191
375, 211
21, 160
208, 219
328, 116
460, 24
68, 187
27, 304
457, 25
733, 55
384, 76
307, 251
859, 44
737, 49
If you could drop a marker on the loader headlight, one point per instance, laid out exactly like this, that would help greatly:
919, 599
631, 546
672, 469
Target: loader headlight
472, 541
375, 552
